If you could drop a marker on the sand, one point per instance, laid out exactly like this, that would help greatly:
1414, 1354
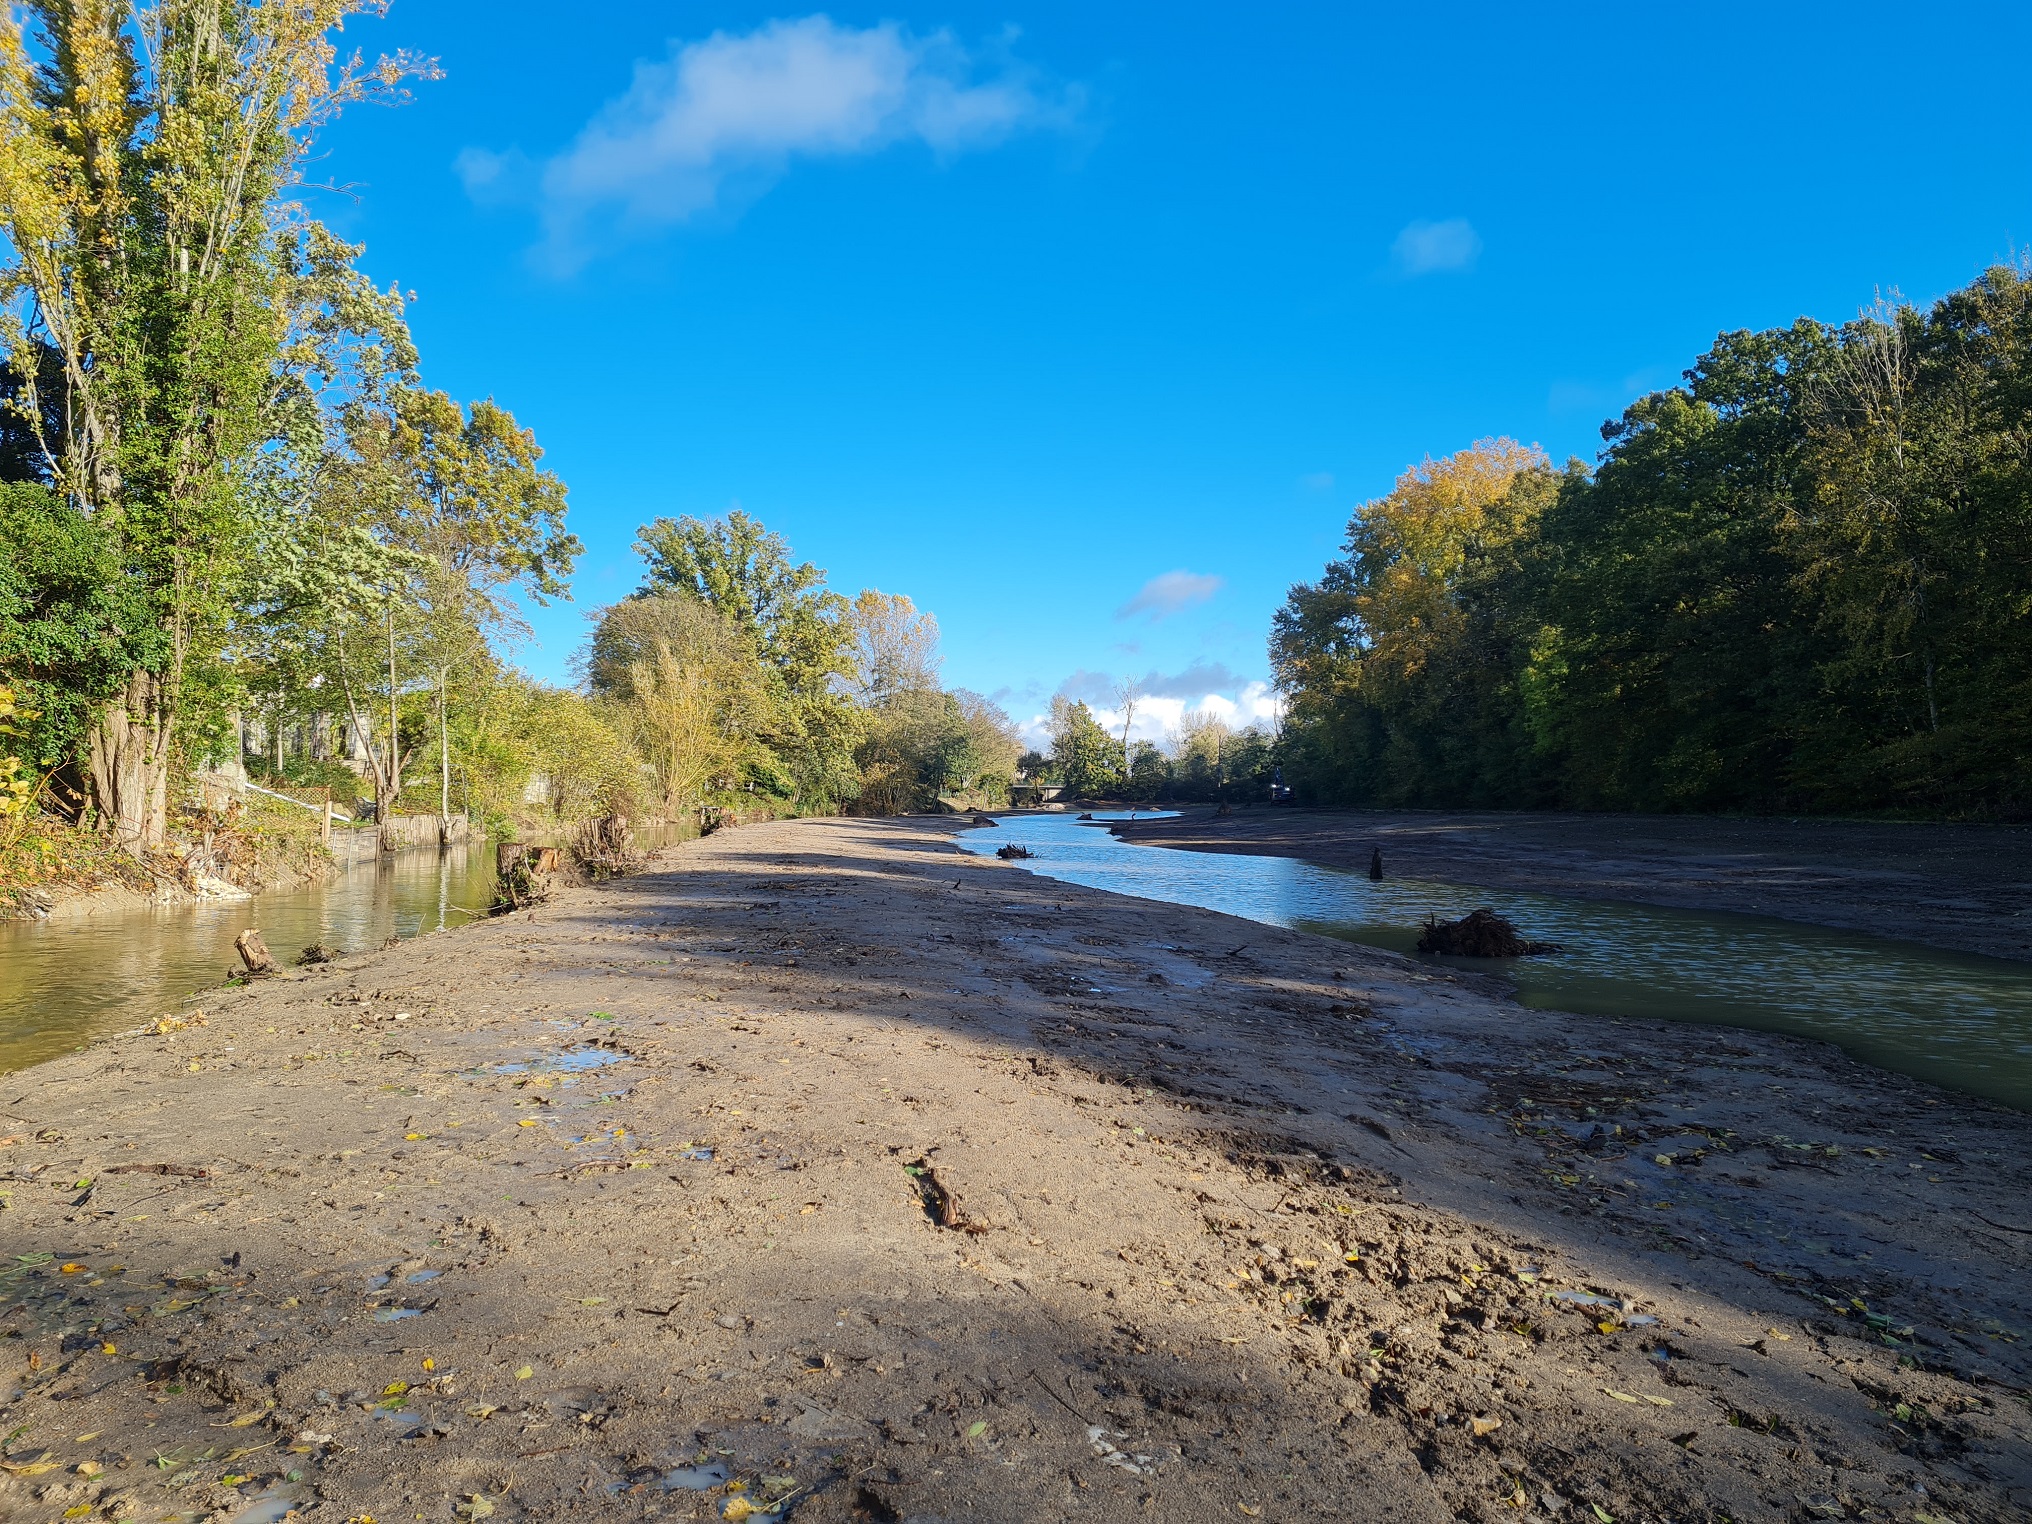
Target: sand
823, 1163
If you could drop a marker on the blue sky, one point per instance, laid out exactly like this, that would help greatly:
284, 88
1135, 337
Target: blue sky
1087, 326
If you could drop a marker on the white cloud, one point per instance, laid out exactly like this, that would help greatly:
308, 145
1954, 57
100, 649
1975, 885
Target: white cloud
1426, 248
740, 107
1317, 481
1170, 593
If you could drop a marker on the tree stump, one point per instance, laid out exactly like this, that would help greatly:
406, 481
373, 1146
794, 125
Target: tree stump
254, 953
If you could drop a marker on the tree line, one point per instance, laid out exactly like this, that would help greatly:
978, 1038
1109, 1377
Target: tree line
1798, 581
236, 522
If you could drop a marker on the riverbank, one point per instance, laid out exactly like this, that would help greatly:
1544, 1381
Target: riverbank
1967, 887
51, 869
827, 1161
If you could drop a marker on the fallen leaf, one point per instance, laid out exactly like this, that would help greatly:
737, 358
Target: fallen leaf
1251, 1510
524, 1374
30, 1468
1602, 1513
109, 1349
1658, 1402
1619, 1396
73, 1268
976, 1430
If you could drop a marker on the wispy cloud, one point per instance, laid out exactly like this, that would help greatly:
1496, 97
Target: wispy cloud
1429, 248
1317, 481
738, 108
1170, 593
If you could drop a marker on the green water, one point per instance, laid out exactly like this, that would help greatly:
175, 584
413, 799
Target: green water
1955, 1019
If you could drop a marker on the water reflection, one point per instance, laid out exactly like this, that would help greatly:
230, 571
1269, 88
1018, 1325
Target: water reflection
67, 981
1956, 1019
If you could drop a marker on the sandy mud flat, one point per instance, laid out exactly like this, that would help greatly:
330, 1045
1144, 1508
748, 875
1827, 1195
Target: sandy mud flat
823, 1172
1961, 886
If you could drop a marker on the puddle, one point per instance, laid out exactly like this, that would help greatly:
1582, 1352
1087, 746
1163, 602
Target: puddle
583, 1060
396, 1314
1954, 1019
698, 1155
417, 1278
696, 1478
269, 1508
1585, 1299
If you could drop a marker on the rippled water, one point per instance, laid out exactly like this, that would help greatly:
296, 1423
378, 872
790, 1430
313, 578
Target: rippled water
1956, 1019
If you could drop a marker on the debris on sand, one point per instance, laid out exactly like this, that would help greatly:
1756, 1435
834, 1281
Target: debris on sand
317, 952
1480, 934
1012, 851
986, 820
527, 876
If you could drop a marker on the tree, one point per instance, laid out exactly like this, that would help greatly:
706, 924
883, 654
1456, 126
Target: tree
460, 491
798, 626
1087, 759
691, 691
146, 164
895, 648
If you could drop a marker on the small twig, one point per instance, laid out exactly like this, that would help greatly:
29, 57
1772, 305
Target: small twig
1046, 1389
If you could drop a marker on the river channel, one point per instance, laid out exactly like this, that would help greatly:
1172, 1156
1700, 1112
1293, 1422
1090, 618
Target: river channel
1956, 1019
66, 982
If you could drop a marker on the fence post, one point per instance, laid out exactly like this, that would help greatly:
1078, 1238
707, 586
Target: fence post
325, 820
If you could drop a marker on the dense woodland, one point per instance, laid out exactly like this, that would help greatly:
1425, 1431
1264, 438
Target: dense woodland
1799, 581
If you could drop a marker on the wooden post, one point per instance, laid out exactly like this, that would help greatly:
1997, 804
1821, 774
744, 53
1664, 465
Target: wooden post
325, 821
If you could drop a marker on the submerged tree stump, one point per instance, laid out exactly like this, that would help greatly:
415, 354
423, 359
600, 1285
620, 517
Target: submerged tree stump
1479, 934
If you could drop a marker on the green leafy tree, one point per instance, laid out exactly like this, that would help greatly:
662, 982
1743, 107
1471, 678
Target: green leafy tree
798, 625
1086, 758
147, 159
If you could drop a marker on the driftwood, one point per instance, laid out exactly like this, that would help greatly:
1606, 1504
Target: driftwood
1013, 851
986, 820
1479, 934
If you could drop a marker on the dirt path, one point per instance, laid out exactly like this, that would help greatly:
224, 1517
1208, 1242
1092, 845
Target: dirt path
827, 1164
1960, 886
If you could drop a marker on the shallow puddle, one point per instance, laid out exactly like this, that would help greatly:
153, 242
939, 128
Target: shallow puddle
1956, 1019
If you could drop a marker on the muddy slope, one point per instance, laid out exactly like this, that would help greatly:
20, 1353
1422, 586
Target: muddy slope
826, 1165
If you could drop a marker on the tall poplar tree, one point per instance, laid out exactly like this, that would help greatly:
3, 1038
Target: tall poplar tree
170, 308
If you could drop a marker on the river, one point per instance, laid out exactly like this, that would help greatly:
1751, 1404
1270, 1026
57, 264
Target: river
1956, 1019
66, 982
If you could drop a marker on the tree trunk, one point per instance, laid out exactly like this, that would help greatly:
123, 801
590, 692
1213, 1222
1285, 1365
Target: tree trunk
129, 760
444, 761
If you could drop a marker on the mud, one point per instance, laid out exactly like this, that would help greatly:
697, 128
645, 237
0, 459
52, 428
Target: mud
824, 1173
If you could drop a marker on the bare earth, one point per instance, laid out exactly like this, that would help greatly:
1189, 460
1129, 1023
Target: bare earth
1961, 886
1023, 1202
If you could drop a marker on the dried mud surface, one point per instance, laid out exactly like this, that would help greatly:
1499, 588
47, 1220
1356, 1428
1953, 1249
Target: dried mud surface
1967, 887
822, 1172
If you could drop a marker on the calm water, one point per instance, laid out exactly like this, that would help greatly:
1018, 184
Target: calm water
65, 982
1956, 1019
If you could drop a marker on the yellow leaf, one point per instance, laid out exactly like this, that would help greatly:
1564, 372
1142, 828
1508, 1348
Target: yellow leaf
1658, 1402
109, 1349
429, 1364
1619, 1396
414, 1137
30, 1468
527, 1122
395, 1389
243, 1421
1251, 1510
71, 1269
524, 1374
